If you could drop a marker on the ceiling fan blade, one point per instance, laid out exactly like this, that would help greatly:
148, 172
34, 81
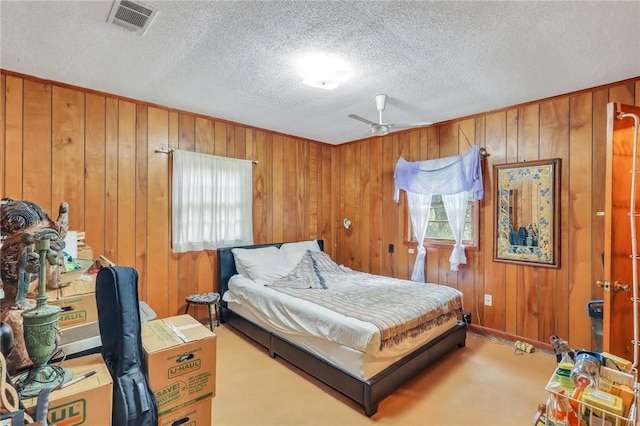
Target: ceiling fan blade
381, 128
364, 120
398, 126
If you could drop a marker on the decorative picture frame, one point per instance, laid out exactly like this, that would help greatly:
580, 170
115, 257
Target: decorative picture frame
527, 214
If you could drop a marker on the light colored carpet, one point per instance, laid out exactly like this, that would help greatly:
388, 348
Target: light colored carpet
484, 383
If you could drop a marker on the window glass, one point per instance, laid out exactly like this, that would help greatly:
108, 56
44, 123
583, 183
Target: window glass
439, 232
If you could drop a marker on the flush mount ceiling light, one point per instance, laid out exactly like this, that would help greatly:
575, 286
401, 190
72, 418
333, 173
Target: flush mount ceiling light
325, 79
322, 72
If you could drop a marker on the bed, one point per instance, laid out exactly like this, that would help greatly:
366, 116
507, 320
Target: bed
357, 356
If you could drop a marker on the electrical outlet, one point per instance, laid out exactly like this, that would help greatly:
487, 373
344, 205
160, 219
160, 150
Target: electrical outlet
411, 251
488, 300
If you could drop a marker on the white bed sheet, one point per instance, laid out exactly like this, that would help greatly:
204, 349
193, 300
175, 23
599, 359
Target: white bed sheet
346, 342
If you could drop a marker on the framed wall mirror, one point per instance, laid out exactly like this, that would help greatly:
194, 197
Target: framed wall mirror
527, 219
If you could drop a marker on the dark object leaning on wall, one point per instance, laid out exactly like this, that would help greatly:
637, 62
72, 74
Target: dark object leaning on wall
120, 331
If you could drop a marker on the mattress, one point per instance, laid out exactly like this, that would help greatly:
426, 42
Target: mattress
346, 342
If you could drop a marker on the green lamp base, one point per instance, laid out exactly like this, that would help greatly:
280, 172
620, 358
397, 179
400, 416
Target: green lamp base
30, 383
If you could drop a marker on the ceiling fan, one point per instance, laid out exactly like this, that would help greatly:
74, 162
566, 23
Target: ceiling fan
381, 128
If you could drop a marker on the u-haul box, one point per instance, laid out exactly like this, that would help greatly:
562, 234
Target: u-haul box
180, 356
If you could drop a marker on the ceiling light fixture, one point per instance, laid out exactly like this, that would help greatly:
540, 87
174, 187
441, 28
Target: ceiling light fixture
322, 72
328, 79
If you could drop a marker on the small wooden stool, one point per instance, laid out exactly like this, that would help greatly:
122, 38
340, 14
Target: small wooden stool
209, 299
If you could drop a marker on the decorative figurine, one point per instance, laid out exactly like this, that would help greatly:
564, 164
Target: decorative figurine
41, 324
16, 218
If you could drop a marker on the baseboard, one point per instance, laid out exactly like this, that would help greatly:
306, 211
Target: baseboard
544, 346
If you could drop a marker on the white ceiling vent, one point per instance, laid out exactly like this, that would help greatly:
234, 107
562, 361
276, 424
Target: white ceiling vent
132, 15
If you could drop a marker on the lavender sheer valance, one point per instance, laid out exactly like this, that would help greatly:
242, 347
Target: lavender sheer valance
450, 177
442, 176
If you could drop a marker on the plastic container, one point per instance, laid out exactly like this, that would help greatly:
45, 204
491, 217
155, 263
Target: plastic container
586, 370
606, 402
595, 310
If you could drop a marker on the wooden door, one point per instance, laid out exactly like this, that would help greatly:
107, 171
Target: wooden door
618, 324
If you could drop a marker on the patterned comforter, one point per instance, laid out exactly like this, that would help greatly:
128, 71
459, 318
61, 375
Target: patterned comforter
399, 308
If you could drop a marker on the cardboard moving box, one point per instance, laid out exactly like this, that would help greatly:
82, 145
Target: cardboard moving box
87, 402
85, 252
180, 355
78, 302
198, 414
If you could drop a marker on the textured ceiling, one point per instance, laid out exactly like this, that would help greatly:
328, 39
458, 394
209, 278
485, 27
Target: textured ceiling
236, 60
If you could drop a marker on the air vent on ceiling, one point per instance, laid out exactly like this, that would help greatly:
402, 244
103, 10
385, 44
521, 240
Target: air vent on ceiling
132, 15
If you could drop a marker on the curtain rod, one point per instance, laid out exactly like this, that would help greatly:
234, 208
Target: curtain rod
167, 150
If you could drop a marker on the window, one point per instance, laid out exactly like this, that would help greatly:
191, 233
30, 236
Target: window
439, 232
211, 202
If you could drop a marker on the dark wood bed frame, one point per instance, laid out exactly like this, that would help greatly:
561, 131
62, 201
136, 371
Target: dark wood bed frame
367, 393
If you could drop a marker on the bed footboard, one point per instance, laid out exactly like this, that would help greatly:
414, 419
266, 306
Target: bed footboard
389, 380
367, 393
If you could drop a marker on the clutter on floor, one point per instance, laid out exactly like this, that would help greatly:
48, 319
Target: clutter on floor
71, 335
589, 388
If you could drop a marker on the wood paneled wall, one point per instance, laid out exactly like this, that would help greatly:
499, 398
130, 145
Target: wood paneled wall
529, 302
99, 153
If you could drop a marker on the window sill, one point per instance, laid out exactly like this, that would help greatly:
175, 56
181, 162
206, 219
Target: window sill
443, 245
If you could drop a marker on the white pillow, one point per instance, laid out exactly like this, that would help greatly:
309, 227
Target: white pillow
242, 270
295, 251
262, 264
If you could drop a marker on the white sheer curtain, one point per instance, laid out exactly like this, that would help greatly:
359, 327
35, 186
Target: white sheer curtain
456, 207
211, 202
419, 208
450, 177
